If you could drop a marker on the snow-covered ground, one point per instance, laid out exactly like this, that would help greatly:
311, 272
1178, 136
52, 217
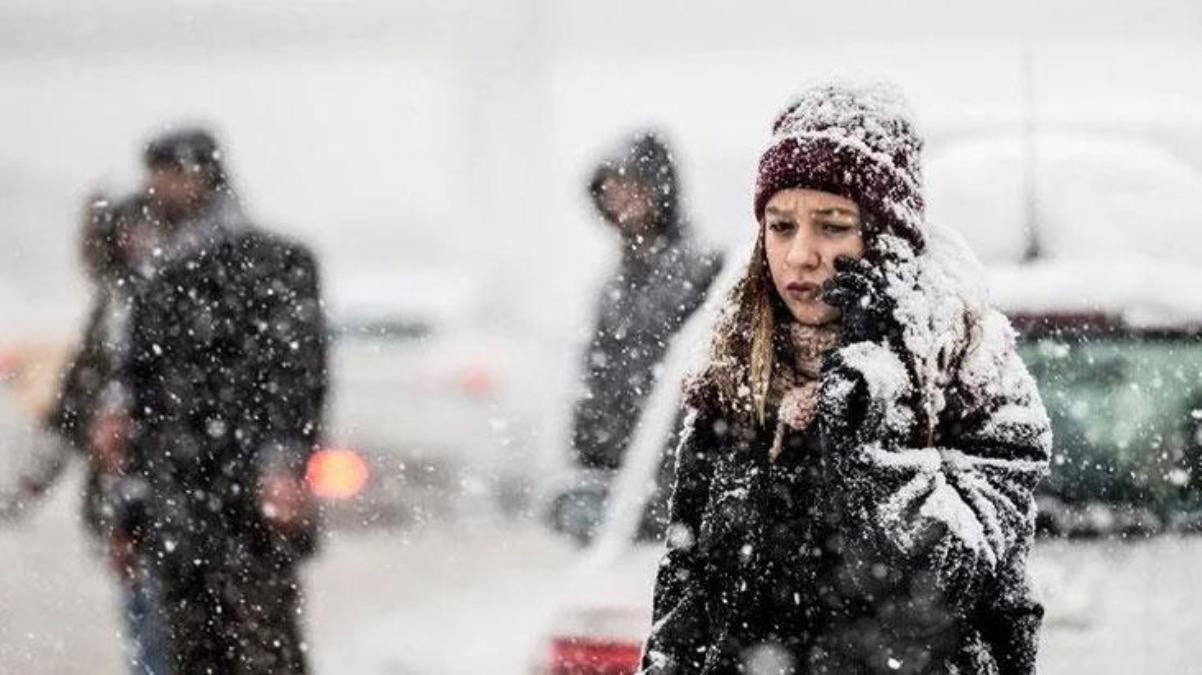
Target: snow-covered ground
463, 597
471, 596
1120, 606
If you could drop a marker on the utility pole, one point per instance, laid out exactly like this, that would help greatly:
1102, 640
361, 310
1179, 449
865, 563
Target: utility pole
1034, 247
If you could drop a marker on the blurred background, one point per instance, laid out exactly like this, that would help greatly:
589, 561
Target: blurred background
436, 155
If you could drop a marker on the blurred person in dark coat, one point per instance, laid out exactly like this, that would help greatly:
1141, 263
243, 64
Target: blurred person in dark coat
116, 245
227, 375
662, 278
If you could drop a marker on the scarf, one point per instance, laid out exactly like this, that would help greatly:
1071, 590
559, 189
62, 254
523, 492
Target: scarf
796, 379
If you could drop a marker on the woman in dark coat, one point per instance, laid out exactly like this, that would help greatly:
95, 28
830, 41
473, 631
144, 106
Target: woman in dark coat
116, 242
854, 481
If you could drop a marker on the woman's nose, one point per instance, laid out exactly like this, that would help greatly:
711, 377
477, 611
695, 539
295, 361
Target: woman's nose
803, 253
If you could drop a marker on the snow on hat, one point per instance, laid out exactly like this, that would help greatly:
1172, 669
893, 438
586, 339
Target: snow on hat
855, 141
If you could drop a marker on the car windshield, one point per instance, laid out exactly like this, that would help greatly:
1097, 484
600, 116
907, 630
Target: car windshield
1126, 410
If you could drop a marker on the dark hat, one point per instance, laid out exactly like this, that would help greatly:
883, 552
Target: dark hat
858, 142
190, 148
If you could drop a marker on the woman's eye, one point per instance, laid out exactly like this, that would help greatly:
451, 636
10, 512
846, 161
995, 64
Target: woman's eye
779, 225
836, 228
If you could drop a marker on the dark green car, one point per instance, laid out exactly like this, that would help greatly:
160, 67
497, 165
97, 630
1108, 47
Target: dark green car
1126, 411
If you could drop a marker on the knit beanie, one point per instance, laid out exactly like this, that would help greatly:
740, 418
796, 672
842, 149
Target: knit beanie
855, 141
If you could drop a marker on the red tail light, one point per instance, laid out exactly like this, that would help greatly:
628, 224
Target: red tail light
10, 363
582, 656
336, 473
478, 381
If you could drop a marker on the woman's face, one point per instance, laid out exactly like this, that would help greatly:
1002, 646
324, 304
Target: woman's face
804, 231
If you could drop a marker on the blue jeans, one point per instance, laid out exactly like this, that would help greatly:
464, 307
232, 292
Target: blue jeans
145, 624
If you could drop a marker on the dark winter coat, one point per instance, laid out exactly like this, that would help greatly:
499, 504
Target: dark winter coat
92, 370
227, 372
638, 310
89, 369
866, 547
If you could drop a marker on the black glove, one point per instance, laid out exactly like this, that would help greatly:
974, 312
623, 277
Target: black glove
857, 289
852, 412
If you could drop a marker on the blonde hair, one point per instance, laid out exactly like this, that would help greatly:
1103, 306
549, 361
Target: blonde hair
743, 349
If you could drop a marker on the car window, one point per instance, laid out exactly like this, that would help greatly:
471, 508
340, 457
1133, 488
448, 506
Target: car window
1126, 411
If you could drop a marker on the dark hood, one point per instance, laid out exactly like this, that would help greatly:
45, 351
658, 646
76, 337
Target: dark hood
646, 158
191, 148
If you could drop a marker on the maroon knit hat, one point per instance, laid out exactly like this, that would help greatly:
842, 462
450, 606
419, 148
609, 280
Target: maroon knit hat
853, 141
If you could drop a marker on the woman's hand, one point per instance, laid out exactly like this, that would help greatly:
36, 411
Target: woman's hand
109, 439
864, 381
285, 501
858, 290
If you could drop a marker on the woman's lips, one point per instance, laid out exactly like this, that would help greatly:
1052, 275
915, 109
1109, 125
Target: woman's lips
804, 290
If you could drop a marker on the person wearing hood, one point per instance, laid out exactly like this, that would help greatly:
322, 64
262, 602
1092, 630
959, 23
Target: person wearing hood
660, 281
854, 482
116, 242
226, 372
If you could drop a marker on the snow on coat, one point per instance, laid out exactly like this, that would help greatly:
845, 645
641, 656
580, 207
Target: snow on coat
892, 534
894, 540
227, 372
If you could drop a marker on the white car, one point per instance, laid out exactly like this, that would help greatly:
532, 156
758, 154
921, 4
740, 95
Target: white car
420, 421
408, 410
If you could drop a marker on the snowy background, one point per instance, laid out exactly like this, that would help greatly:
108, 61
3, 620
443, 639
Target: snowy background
456, 134
434, 153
